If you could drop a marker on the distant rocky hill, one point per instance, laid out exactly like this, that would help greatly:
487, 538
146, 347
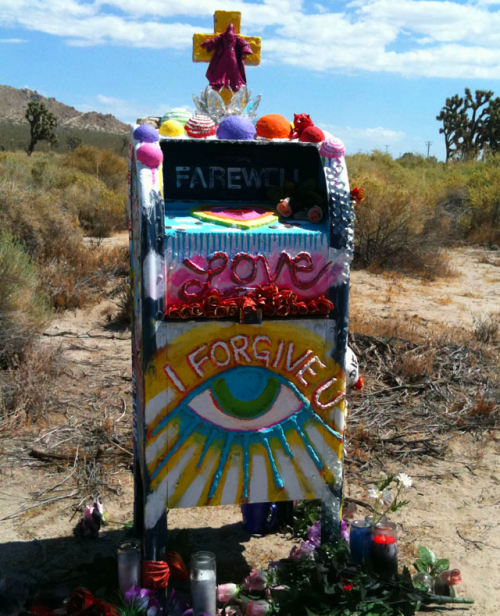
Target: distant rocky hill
13, 106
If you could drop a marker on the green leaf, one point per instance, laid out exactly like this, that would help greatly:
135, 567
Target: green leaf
441, 565
420, 566
426, 555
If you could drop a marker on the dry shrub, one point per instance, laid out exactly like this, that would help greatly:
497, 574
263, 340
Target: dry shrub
24, 308
27, 387
482, 407
100, 210
105, 165
486, 327
85, 278
415, 366
391, 230
125, 301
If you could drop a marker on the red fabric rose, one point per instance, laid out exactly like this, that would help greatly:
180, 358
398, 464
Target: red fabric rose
221, 311
283, 310
177, 566
302, 308
197, 310
79, 600
41, 610
174, 312
312, 308
186, 311
99, 608
248, 305
357, 195
269, 310
324, 305
213, 298
155, 574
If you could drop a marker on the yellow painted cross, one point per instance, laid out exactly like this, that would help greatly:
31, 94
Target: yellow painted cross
222, 19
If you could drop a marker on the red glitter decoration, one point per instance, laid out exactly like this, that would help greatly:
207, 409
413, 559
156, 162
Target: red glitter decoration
269, 298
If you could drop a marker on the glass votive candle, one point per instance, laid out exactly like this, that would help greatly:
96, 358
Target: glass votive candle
203, 583
369, 519
360, 540
129, 564
384, 552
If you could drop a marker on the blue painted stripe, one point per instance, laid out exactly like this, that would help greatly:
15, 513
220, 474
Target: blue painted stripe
222, 463
278, 482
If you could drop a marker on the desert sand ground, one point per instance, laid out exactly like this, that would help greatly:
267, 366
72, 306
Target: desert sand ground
455, 502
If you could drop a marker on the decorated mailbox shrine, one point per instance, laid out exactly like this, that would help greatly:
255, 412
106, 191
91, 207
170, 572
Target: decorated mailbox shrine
241, 241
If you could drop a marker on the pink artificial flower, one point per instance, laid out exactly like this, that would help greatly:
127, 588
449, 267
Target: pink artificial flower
226, 592
89, 510
257, 580
284, 208
303, 552
451, 578
258, 608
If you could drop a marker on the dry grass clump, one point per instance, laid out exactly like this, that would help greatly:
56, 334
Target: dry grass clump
24, 307
419, 389
27, 387
486, 328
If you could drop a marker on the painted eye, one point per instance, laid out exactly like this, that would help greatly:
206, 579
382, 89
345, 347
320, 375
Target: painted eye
246, 399
242, 434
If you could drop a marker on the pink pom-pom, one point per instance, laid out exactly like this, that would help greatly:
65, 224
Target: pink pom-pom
332, 148
150, 155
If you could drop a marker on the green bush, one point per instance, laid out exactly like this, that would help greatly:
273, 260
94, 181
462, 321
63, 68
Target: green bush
24, 307
104, 165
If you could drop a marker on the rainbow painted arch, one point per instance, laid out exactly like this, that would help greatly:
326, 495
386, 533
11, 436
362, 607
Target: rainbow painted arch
248, 217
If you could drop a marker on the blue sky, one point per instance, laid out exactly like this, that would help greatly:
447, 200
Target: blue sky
373, 72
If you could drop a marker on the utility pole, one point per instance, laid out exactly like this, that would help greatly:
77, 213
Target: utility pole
386, 149
428, 144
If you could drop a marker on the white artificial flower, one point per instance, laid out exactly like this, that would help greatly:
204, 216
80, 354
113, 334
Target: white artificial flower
405, 480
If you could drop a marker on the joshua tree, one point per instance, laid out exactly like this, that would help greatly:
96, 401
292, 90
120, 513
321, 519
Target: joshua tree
470, 124
42, 125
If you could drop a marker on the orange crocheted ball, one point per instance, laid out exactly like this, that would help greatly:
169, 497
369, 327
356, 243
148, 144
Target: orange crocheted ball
273, 126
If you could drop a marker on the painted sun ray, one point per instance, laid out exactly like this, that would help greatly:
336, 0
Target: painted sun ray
246, 466
333, 432
163, 423
220, 468
282, 437
208, 442
184, 433
310, 449
278, 481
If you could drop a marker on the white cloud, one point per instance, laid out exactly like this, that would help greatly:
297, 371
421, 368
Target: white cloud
435, 38
125, 110
13, 40
367, 139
